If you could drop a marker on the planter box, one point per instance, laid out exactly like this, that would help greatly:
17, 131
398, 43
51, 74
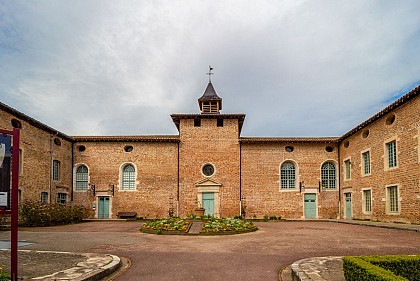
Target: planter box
199, 212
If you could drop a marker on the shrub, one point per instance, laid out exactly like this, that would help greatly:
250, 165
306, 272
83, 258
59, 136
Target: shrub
358, 269
33, 213
171, 224
217, 225
4, 222
402, 265
4, 276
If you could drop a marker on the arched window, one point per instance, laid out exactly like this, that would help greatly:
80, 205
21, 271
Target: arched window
128, 177
288, 175
82, 178
328, 175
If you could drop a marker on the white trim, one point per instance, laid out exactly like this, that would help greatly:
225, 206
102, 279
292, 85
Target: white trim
364, 201
387, 205
345, 168
119, 186
386, 156
214, 169
296, 176
362, 162
332, 161
75, 167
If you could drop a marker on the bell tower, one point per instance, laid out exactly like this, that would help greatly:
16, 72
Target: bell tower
209, 158
210, 102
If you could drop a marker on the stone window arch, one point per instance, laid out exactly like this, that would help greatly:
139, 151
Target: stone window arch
128, 177
82, 177
288, 175
328, 175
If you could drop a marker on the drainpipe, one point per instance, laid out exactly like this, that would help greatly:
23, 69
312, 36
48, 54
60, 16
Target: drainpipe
339, 181
71, 172
177, 188
51, 163
240, 179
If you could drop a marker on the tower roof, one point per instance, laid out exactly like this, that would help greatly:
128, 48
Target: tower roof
210, 95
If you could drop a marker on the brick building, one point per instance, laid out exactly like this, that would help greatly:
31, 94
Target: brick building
371, 172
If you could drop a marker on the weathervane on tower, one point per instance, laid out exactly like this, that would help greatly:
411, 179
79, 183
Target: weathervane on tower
210, 73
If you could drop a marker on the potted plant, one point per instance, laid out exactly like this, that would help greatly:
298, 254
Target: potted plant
199, 211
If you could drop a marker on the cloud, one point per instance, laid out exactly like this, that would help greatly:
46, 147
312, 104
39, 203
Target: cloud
296, 68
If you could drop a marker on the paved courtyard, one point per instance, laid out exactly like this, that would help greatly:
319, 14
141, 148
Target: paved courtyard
252, 256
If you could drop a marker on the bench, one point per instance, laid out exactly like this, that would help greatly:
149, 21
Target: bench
130, 215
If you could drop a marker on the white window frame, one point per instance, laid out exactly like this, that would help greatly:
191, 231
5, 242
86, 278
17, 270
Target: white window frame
287, 179
58, 197
47, 197
363, 164
345, 169
387, 156
328, 179
75, 180
364, 210
56, 170
388, 200
121, 180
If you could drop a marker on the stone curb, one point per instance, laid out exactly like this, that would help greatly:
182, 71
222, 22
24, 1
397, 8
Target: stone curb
315, 269
407, 227
103, 271
96, 267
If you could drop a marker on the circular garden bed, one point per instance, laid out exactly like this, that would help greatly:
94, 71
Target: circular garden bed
210, 226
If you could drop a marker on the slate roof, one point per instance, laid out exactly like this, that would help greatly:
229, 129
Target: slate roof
209, 94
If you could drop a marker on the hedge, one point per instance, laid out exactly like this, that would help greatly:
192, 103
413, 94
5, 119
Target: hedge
33, 213
382, 268
402, 265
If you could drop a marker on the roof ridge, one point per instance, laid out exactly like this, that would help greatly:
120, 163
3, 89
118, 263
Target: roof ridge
402, 100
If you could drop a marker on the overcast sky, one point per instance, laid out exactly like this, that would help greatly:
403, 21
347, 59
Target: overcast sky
296, 68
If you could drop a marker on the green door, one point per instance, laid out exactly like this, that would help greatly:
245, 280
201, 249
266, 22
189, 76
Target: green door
208, 203
103, 207
348, 205
310, 205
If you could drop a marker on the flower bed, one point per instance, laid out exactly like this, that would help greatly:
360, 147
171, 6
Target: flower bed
211, 226
167, 226
227, 226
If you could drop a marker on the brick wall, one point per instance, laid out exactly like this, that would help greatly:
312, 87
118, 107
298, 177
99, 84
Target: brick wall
209, 144
156, 181
261, 191
405, 130
250, 169
38, 149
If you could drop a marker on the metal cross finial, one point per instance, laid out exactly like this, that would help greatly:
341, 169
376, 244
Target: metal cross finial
210, 73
